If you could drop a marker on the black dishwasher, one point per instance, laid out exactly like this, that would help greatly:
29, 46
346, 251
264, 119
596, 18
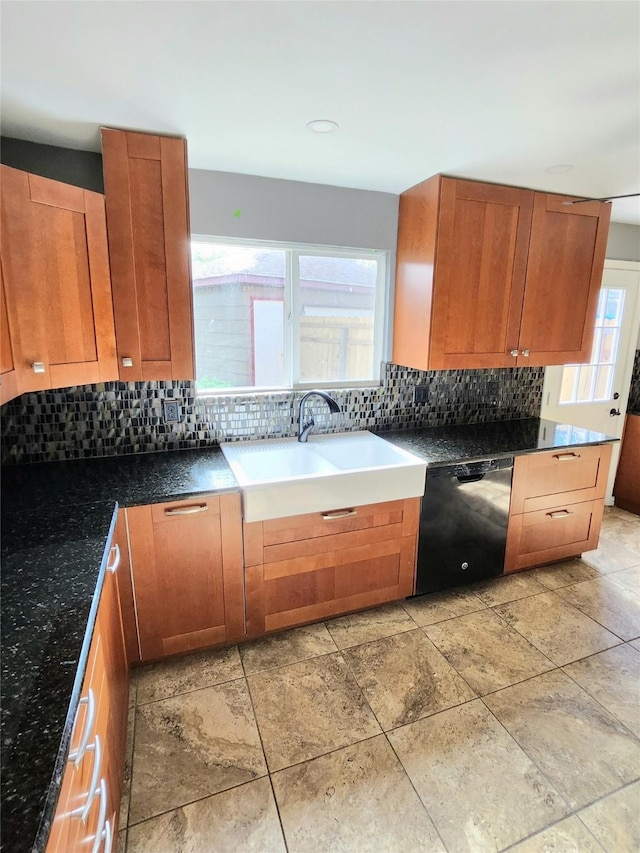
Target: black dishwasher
463, 523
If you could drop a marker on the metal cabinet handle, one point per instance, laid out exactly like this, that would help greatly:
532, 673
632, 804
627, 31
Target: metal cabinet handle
514, 353
188, 510
108, 837
127, 362
103, 830
38, 367
561, 513
115, 550
340, 513
83, 811
89, 700
525, 353
565, 457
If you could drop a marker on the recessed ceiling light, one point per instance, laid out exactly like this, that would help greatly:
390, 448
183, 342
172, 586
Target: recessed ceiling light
560, 169
322, 125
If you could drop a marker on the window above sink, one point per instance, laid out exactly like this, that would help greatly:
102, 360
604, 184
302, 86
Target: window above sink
276, 316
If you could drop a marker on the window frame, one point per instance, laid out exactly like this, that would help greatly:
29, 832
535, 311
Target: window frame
293, 251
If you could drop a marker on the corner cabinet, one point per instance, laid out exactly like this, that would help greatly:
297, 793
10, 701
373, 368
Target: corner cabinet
627, 485
186, 565
146, 191
557, 503
86, 817
495, 276
58, 329
308, 567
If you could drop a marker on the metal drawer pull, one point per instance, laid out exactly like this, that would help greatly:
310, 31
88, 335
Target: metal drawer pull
103, 831
38, 367
78, 755
563, 457
83, 811
188, 510
340, 513
107, 834
561, 513
115, 550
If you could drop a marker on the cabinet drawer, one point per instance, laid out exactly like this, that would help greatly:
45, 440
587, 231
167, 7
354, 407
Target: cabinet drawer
348, 579
317, 532
309, 567
552, 534
544, 480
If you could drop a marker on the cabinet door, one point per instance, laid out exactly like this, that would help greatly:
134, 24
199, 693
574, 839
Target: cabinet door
184, 598
481, 257
110, 627
8, 379
564, 271
58, 289
125, 589
146, 194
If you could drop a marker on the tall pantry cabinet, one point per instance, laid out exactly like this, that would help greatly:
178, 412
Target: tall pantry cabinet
146, 192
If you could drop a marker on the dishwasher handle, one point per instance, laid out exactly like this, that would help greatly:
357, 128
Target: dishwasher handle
470, 478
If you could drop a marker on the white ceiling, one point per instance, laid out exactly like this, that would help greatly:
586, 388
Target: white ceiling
492, 90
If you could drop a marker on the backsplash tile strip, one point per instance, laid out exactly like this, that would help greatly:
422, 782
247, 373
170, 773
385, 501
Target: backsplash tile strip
118, 418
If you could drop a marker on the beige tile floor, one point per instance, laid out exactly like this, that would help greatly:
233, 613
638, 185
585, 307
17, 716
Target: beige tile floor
500, 716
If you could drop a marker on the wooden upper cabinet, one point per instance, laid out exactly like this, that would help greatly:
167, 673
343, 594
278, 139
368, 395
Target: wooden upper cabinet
8, 379
146, 193
564, 272
495, 276
55, 266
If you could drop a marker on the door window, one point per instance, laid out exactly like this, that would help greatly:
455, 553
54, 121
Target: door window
588, 383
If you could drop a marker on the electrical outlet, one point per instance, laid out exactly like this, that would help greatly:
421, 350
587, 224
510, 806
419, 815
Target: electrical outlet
420, 393
171, 411
493, 388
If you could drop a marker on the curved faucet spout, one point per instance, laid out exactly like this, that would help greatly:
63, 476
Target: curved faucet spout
305, 427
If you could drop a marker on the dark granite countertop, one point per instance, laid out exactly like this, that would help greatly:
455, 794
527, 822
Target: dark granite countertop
470, 442
56, 524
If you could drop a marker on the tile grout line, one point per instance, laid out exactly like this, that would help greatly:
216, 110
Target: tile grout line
552, 592
420, 800
597, 701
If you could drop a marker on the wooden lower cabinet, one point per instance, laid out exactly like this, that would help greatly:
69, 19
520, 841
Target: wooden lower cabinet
186, 565
313, 566
557, 504
92, 783
627, 485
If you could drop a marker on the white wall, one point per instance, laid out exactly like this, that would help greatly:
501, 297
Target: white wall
291, 211
624, 242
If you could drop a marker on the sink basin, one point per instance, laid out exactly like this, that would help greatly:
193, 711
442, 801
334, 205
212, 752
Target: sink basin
274, 464
282, 477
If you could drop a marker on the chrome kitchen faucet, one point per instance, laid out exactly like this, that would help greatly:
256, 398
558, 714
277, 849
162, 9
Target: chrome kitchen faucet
304, 428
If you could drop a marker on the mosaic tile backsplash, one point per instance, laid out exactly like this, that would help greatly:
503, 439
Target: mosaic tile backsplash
117, 418
633, 406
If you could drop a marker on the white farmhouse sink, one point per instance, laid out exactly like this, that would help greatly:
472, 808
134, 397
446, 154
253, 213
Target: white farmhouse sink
282, 476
